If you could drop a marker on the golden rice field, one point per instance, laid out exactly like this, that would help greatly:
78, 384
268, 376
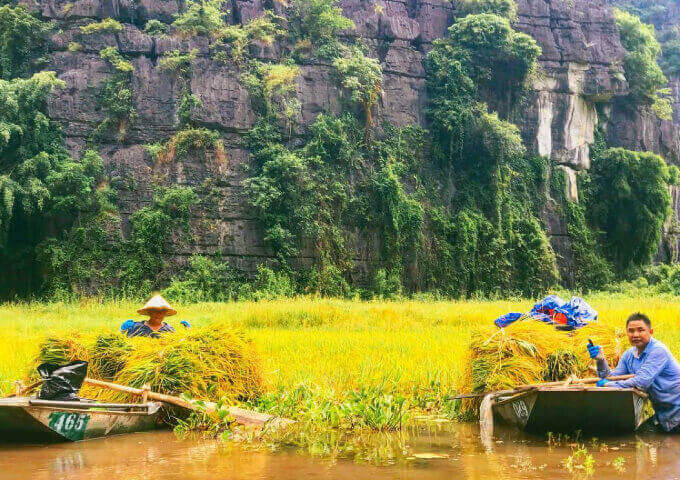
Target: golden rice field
335, 344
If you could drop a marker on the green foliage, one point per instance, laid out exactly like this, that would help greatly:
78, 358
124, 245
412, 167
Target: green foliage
22, 41
115, 96
269, 284
630, 204
205, 280
201, 17
494, 55
155, 28
649, 11
670, 50
502, 8
42, 188
71, 261
312, 197
491, 239
142, 258
188, 140
673, 175
646, 80
264, 29
94, 257
116, 60
75, 47
283, 196
590, 271
362, 77
386, 284
37, 176
177, 63
319, 24
108, 25
373, 408
273, 90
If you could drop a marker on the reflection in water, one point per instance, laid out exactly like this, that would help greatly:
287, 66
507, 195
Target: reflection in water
451, 451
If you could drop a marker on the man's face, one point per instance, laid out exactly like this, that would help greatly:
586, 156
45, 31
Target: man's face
639, 333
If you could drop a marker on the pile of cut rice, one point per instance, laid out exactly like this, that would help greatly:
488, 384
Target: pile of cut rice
208, 363
529, 352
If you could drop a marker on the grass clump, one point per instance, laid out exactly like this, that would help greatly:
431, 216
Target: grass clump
186, 141
108, 25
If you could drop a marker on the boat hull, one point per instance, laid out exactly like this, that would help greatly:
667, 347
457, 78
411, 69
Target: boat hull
600, 410
23, 422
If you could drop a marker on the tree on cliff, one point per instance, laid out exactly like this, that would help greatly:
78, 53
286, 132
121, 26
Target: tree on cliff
42, 188
630, 203
647, 83
22, 41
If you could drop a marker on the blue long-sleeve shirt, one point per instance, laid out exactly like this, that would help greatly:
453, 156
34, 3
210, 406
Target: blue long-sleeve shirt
657, 372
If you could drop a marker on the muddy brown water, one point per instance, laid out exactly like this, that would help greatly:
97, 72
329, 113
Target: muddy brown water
510, 455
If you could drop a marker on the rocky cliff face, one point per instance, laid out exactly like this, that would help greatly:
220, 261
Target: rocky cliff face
580, 81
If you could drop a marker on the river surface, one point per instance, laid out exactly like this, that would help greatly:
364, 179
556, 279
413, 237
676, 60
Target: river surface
459, 451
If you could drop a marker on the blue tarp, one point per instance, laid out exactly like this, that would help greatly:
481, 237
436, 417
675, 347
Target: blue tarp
552, 309
576, 312
542, 317
505, 320
547, 306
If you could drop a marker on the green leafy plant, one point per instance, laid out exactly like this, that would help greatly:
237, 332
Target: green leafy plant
108, 25
264, 29
115, 96
503, 8
42, 188
201, 17
646, 80
362, 77
23, 41
155, 28
318, 24
186, 141
630, 204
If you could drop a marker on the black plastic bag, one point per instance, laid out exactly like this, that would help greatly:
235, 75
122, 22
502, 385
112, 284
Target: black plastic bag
62, 382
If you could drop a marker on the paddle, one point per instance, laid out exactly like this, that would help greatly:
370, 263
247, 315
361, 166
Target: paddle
240, 415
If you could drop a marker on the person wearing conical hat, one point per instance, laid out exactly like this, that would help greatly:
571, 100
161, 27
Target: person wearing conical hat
157, 308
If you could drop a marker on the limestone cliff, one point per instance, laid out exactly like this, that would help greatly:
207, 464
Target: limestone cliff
577, 88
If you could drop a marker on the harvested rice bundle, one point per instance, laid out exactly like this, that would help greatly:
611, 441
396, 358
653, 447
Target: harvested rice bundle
109, 354
207, 363
560, 364
529, 352
59, 350
612, 339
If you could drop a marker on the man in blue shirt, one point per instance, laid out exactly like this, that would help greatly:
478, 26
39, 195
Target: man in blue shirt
656, 371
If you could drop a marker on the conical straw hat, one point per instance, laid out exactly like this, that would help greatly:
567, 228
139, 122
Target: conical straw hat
157, 304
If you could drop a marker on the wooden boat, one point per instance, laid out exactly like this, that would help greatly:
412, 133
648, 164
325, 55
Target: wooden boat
28, 420
568, 409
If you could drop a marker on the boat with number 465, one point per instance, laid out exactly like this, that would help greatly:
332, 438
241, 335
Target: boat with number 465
568, 409
29, 420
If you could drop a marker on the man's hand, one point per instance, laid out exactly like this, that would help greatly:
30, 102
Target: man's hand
602, 383
595, 351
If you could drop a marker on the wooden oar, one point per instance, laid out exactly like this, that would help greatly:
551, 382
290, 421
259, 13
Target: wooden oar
546, 384
241, 416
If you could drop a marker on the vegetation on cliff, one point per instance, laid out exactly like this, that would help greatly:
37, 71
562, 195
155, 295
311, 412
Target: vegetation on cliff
647, 83
457, 209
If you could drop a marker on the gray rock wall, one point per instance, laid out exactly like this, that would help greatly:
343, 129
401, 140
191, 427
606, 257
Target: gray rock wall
577, 86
